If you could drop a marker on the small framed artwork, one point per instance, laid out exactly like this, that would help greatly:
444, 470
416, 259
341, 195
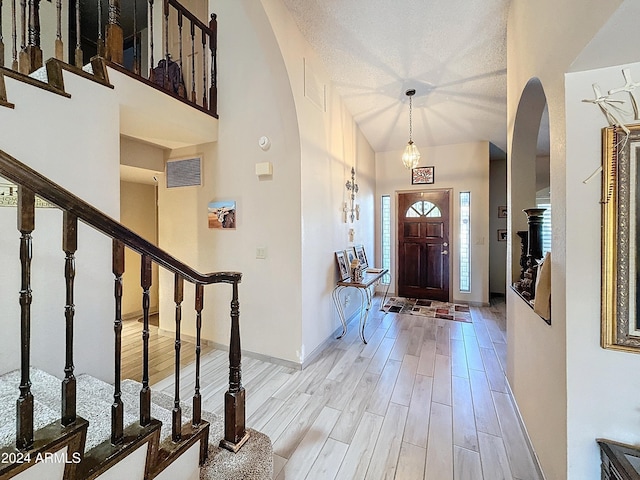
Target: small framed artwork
502, 211
362, 257
350, 254
422, 175
342, 265
222, 215
502, 235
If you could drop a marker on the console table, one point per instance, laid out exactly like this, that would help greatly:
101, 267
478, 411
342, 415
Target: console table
368, 279
619, 461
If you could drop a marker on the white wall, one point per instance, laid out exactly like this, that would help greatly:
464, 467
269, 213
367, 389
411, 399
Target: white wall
331, 144
602, 376
462, 168
497, 249
138, 212
543, 38
77, 146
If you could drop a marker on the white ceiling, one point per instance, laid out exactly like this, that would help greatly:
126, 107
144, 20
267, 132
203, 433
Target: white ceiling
452, 52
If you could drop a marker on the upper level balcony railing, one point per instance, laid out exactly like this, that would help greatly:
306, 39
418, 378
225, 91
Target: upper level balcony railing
161, 42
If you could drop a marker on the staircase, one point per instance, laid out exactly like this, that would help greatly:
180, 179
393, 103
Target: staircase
63, 427
154, 460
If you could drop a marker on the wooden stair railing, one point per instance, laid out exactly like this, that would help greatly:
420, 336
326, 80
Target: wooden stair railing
201, 93
29, 182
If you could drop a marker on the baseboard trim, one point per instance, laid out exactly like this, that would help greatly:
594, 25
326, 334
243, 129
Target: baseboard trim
266, 358
526, 433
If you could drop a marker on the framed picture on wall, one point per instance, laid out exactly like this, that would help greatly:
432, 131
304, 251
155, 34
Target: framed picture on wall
502, 235
502, 211
422, 175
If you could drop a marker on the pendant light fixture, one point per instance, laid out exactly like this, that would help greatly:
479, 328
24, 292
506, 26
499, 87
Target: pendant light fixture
411, 155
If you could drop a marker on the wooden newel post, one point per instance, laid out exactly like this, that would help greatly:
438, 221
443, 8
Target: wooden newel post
114, 49
24, 404
235, 434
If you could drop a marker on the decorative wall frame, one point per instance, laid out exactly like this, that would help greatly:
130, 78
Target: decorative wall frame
222, 215
620, 307
422, 175
502, 211
502, 235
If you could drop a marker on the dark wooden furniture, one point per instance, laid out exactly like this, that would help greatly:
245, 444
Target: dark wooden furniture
370, 278
619, 461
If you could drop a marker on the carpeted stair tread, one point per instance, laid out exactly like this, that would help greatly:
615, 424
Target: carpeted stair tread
9, 393
130, 399
40, 74
254, 461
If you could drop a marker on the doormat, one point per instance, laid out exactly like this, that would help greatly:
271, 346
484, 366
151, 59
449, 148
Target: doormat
428, 308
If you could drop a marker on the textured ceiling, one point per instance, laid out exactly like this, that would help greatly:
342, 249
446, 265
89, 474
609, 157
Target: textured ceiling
452, 52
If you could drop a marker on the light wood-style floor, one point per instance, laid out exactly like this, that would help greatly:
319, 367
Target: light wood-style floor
425, 399
161, 353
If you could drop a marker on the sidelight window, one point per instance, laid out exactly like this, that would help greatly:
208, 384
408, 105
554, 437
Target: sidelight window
386, 236
465, 241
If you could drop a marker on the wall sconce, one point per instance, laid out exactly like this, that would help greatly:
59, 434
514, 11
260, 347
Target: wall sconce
354, 210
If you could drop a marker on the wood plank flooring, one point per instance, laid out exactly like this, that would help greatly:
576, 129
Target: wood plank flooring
425, 399
161, 353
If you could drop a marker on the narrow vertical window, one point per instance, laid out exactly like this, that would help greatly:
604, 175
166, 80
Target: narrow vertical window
386, 236
546, 223
465, 241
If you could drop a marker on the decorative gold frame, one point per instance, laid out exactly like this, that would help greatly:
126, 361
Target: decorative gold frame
620, 170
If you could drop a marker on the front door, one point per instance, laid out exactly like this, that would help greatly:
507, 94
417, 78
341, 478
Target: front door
423, 245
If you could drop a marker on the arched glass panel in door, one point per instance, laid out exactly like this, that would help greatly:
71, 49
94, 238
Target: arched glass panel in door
423, 208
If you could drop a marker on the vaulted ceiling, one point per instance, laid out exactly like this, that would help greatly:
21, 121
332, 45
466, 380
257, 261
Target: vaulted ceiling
452, 52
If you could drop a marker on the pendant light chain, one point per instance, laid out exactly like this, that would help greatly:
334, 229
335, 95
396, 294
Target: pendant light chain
410, 119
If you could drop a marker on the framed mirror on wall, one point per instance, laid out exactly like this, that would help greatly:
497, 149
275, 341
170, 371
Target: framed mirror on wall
621, 238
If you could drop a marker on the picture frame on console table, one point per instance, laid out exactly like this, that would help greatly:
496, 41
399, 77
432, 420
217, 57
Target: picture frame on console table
361, 255
620, 301
343, 269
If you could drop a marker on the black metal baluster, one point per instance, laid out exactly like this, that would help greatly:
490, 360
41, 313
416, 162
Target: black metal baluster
213, 46
151, 74
1, 39
136, 65
23, 35
145, 393
117, 408
78, 52
178, 294
197, 398
205, 103
181, 91
100, 41
193, 63
14, 36
69, 246
167, 55
59, 48
24, 404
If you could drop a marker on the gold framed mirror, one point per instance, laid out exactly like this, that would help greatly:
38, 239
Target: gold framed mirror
621, 238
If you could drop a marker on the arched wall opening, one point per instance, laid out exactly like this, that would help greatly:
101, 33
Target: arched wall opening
529, 168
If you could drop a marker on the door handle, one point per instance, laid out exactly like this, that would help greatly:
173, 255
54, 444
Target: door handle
445, 252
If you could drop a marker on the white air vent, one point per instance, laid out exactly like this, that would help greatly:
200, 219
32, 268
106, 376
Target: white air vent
184, 173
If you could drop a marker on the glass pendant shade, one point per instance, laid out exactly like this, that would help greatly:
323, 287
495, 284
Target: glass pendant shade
411, 156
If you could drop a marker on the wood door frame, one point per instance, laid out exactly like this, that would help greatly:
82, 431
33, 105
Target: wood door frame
453, 215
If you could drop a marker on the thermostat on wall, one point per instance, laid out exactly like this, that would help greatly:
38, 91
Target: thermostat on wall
264, 143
